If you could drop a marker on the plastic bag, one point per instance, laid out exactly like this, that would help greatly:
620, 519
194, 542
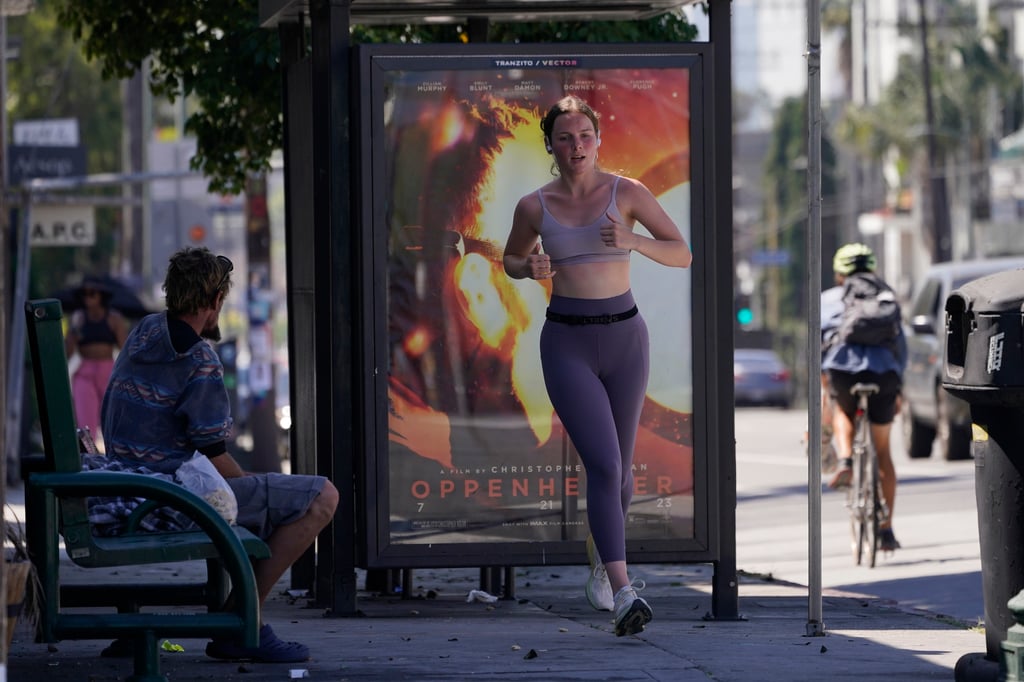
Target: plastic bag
202, 478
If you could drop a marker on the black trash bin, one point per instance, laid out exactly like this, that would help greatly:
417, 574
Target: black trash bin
984, 365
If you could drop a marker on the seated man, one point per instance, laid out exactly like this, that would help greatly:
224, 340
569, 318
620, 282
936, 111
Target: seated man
166, 400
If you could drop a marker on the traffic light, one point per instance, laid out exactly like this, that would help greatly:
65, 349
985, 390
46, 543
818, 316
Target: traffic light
745, 316
744, 312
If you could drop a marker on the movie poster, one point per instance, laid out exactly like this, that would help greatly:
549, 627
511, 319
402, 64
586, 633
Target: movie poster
475, 450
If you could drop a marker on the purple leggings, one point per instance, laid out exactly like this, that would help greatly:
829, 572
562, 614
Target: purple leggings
596, 377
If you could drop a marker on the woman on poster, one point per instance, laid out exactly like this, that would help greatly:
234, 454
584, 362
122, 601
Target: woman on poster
594, 344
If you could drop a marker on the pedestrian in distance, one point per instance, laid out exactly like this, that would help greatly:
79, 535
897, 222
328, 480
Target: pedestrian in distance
167, 401
577, 232
880, 361
96, 333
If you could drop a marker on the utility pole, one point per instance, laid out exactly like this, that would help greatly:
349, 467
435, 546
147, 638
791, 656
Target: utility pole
134, 256
7, 8
5, 310
262, 421
942, 247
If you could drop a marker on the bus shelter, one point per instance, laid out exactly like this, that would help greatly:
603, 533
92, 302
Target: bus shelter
414, 362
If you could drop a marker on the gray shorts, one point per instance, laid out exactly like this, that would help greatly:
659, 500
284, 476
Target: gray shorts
268, 501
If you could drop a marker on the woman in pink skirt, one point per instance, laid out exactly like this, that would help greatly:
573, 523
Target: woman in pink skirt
97, 332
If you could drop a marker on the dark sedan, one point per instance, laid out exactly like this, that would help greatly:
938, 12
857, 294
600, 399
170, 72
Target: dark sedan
761, 378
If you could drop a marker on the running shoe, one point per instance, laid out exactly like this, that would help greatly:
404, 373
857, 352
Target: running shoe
887, 542
843, 477
599, 589
632, 613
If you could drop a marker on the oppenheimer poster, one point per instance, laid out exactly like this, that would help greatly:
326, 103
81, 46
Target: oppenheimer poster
475, 452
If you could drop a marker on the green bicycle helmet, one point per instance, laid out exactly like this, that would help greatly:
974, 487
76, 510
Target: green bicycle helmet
851, 258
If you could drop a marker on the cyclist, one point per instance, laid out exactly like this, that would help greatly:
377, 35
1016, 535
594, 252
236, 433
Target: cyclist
849, 363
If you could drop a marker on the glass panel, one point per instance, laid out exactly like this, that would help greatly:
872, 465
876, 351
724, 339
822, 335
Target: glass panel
476, 452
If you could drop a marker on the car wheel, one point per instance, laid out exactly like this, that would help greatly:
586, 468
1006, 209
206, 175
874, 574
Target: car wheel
954, 439
917, 436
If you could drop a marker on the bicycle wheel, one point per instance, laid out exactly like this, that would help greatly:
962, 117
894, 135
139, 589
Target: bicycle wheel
856, 525
873, 507
857, 504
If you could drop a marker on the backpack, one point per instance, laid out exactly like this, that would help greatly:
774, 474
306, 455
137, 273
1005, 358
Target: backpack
871, 313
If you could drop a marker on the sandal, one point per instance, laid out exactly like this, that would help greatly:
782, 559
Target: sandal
122, 647
271, 649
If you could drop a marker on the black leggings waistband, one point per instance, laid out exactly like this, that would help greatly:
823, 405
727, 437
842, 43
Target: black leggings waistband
591, 319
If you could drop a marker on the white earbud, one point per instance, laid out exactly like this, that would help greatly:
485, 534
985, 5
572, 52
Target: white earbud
547, 146
599, 142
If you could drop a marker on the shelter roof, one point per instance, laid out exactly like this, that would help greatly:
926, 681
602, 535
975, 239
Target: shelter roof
274, 12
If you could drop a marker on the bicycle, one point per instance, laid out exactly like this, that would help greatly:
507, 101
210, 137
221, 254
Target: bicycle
863, 498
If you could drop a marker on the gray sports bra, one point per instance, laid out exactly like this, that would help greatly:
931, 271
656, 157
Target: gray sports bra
573, 245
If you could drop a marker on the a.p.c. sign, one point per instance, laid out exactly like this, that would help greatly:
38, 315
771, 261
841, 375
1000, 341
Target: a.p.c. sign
64, 225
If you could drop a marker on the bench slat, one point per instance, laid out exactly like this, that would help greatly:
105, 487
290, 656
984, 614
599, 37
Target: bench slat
164, 547
112, 625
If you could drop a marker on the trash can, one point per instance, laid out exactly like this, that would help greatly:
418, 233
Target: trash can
984, 365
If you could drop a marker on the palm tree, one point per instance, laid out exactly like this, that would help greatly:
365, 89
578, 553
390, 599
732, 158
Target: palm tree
976, 92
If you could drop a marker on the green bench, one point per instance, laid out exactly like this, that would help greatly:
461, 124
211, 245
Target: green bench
56, 487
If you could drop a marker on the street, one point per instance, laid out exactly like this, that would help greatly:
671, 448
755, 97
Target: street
938, 567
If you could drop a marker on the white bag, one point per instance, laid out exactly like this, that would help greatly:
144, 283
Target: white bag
202, 478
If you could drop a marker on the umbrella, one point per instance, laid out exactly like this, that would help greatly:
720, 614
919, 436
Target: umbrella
123, 296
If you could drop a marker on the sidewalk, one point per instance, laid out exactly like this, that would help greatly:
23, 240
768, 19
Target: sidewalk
550, 633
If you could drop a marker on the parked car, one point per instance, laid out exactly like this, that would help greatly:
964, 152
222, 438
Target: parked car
761, 378
930, 415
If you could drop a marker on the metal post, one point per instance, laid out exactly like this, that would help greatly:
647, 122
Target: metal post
16, 348
135, 253
942, 248
336, 385
298, 272
724, 586
8, 315
5, 310
815, 626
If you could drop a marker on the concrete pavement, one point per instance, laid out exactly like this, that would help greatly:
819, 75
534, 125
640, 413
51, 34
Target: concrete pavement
548, 632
